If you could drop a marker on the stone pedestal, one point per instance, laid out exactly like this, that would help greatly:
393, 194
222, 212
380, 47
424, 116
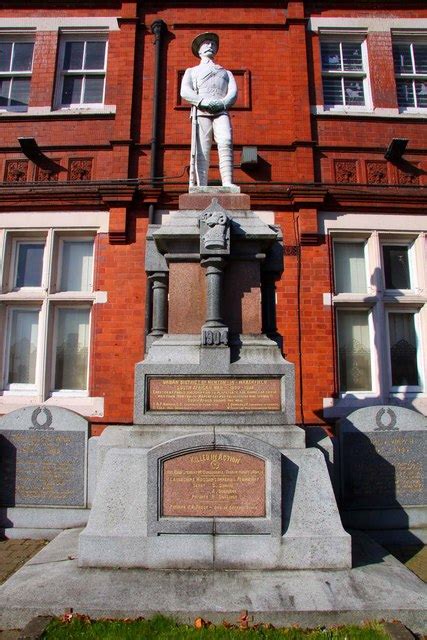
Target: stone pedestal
214, 473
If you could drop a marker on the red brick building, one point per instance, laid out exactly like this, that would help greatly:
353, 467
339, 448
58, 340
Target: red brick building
328, 93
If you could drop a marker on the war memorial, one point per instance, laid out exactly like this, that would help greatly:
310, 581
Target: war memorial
211, 501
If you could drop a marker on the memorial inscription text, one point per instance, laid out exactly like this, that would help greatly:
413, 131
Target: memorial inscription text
214, 483
42, 468
385, 469
214, 394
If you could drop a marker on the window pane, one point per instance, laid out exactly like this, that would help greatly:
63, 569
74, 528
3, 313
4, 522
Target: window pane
350, 273
76, 265
403, 350
396, 267
332, 91
71, 90
421, 91
73, 55
352, 56
354, 351
354, 94
420, 55
402, 58
331, 56
29, 264
95, 55
72, 346
5, 55
4, 92
94, 89
405, 93
23, 346
22, 56
20, 93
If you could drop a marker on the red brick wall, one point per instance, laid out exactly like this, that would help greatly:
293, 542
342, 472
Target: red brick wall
118, 325
62, 137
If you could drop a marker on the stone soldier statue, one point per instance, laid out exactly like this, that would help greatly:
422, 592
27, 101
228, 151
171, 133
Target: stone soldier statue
211, 90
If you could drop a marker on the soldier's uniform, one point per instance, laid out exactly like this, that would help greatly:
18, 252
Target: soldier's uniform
211, 81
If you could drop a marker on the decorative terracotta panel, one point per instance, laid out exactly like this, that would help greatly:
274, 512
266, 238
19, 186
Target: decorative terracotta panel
80, 169
345, 171
408, 177
376, 172
16, 171
45, 175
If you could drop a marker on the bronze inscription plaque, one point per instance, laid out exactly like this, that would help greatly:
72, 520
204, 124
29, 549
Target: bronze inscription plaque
214, 394
214, 483
42, 468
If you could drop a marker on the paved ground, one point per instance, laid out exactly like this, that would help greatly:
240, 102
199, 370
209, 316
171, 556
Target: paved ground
415, 558
15, 553
378, 587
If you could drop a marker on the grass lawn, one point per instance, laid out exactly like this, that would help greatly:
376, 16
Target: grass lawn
162, 628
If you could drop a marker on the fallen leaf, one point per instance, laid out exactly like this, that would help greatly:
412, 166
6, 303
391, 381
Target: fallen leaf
199, 623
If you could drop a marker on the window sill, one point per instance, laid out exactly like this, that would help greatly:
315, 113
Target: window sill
335, 408
47, 112
405, 298
319, 110
95, 297
363, 299
89, 407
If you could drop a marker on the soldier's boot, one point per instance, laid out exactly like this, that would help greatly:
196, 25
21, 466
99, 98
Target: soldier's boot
225, 152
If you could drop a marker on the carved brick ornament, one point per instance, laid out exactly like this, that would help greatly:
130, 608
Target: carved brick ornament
80, 169
45, 175
408, 177
376, 172
16, 171
345, 171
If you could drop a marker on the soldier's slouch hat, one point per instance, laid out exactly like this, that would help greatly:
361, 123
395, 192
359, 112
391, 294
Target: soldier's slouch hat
198, 40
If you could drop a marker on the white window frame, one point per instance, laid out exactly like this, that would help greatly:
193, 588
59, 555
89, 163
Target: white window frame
13, 272
356, 240
47, 300
420, 365
411, 39
411, 259
356, 37
55, 282
14, 37
16, 388
380, 302
362, 393
54, 333
79, 36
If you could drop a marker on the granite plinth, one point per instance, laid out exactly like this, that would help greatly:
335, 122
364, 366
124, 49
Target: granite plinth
200, 201
302, 528
214, 189
228, 474
173, 357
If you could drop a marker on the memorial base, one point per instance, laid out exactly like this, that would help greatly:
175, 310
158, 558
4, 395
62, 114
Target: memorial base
301, 528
